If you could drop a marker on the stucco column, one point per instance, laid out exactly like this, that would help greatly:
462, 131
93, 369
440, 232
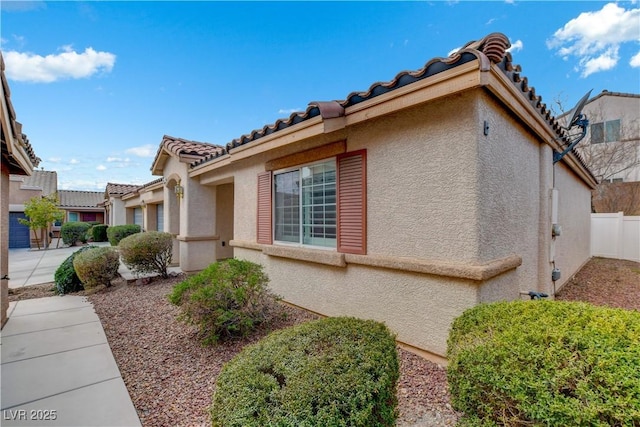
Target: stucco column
4, 242
198, 240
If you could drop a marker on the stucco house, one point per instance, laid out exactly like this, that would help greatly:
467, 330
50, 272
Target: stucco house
83, 206
113, 204
23, 188
406, 203
18, 158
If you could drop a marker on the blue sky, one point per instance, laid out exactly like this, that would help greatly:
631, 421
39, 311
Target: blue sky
97, 84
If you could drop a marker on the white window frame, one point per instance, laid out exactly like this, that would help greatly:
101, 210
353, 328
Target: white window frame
300, 243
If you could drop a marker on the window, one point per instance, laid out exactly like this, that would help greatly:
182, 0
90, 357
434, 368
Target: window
137, 216
321, 204
608, 131
73, 216
160, 217
305, 205
88, 217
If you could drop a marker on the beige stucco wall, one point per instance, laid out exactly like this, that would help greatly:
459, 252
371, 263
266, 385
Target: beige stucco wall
572, 247
438, 190
117, 212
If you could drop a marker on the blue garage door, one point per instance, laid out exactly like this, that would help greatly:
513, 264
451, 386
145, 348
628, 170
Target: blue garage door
18, 233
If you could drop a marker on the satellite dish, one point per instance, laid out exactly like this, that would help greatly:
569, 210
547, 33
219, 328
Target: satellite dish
577, 119
577, 110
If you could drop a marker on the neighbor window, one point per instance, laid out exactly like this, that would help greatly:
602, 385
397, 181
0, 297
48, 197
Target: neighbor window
608, 131
137, 216
305, 205
73, 216
160, 217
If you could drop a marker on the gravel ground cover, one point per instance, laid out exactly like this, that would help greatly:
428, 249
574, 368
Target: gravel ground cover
170, 376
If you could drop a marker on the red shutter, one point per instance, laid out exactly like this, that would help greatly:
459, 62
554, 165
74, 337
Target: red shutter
352, 202
264, 208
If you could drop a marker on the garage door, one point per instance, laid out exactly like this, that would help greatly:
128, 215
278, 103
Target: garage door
18, 233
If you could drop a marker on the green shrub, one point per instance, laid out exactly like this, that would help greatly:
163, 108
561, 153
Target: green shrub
65, 277
331, 372
98, 232
546, 363
97, 266
227, 299
148, 252
74, 231
115, 233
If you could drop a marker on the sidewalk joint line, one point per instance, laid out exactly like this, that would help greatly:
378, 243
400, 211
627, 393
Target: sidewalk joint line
50, 329
57, 352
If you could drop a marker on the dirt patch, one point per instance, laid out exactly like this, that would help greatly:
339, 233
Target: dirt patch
604, 281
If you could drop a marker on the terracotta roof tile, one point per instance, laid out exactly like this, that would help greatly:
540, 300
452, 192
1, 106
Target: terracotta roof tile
80, 199
46, 180
119, 189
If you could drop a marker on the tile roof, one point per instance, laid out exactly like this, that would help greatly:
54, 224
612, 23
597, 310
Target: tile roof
186, 149
46, 180
607, 93
119, 189
79, 199
488, 50
15, 166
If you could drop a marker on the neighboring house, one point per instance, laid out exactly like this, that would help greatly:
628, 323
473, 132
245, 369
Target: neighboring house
407, 203
612, 146
18, 158
612, 151
21, 190
113, 204
82, 206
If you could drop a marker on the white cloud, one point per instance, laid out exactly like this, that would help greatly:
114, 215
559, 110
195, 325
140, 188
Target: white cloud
635, 60
595, 37
516, 46
54, 159
288, 110
101, 168
603, 62
147, 150
69, 64
114, 159
73, 162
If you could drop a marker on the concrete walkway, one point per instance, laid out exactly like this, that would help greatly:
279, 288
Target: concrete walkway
57, 368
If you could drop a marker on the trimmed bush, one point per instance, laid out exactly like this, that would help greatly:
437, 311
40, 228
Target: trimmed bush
227, 299
115, 233
99, 232
546, 363
148, 252
73, 232
97, 266
332, 372
65, 277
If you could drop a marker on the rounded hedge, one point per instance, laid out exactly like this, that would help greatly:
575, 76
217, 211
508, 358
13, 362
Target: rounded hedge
74, 231
226, 300
65, 277
332, 372
97, 266
546, 363
98, 232
148, 252
115, 233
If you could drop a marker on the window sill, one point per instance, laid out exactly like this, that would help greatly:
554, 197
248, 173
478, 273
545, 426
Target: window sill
459, 270
319, 256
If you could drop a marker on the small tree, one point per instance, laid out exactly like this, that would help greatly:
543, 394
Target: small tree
42, 212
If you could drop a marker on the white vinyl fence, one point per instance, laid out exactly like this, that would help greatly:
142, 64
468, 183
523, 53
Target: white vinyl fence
614, 235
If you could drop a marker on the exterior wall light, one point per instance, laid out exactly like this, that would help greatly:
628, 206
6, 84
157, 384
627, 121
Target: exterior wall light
143, 204
179, 190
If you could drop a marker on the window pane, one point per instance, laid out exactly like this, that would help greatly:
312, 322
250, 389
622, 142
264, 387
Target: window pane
287, 206
612, 129
73, 216
160, 217
319, 204
597, 133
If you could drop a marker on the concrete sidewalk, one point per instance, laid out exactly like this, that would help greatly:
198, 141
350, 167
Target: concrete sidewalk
34, 267
57, 367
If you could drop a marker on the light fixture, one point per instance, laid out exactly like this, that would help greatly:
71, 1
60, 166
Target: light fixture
143, 204
179, 190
